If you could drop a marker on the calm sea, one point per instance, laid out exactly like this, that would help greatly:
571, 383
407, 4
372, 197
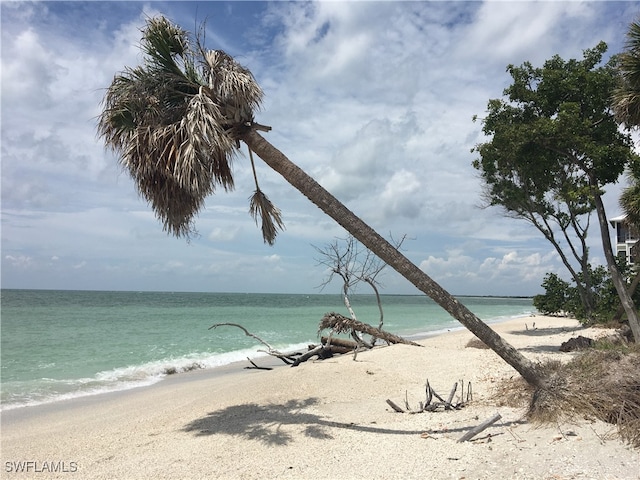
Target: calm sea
65, 344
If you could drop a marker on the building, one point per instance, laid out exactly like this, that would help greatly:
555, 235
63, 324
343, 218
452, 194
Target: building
625, 239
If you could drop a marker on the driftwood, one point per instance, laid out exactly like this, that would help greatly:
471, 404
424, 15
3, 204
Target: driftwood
429, 406
394, 406
340, 324
476, 430
326, 350
329, 346
257, 367
339, 345
288, 358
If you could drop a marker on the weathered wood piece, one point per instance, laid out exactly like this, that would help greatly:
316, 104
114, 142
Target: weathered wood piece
447, 405
394, 406
306, 356
429, 406
347, 345
257, 367
476, 430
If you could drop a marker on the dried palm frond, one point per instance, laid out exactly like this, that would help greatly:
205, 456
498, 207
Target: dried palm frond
174, 121
270, 215
261, 206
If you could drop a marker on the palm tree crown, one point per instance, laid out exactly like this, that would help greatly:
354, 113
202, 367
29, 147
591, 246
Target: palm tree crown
175, 122
626, 99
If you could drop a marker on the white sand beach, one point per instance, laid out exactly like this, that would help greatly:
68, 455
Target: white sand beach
322, 420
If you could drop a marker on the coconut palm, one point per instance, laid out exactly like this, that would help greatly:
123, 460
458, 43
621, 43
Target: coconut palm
626, 98
177, 121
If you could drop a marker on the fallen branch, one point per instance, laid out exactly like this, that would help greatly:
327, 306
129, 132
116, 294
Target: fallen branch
257, 367
319, 351
339, 345
328, 348
286, 358
476, 430
341, 324
394, 406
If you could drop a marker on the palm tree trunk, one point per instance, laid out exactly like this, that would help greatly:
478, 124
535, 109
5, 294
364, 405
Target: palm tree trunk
392, 256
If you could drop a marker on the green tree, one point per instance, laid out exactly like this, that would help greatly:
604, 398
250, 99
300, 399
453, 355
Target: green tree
554, 300
176, 120
561, 297
554, 146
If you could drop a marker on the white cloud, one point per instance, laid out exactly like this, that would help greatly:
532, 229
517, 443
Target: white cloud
224, 235
20, 261
373, 99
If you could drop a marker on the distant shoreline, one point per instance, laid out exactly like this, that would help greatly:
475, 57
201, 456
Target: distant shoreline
261, 293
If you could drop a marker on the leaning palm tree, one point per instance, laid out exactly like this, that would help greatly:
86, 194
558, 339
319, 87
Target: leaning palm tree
176, 122
626, 98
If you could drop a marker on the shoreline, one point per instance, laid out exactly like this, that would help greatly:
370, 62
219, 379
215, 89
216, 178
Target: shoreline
320, 419
261, 358
207, 374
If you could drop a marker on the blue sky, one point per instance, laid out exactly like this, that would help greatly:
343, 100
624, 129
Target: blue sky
373, 99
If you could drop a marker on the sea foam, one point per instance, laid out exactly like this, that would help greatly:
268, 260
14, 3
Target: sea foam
50, 390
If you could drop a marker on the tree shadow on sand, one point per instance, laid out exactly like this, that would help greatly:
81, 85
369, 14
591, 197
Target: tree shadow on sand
269, 423
548, 331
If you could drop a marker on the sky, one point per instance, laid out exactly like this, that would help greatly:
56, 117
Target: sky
374, 100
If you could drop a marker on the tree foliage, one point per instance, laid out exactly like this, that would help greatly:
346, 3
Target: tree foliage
562, 298
554, 300
554, 145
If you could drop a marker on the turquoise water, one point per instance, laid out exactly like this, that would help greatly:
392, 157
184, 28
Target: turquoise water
65, 344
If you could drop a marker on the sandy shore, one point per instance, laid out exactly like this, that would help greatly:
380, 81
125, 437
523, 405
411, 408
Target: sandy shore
322, 420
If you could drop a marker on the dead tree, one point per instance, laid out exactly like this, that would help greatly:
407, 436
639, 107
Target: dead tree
354, 264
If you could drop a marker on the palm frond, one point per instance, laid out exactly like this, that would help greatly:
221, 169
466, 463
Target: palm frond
235, 87
626, 98
270, 215
630, 203
175, 119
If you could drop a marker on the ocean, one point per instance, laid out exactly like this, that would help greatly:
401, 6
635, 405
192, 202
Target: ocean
64, 344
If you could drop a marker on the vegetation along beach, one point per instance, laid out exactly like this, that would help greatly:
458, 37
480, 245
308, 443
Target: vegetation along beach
442, 340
